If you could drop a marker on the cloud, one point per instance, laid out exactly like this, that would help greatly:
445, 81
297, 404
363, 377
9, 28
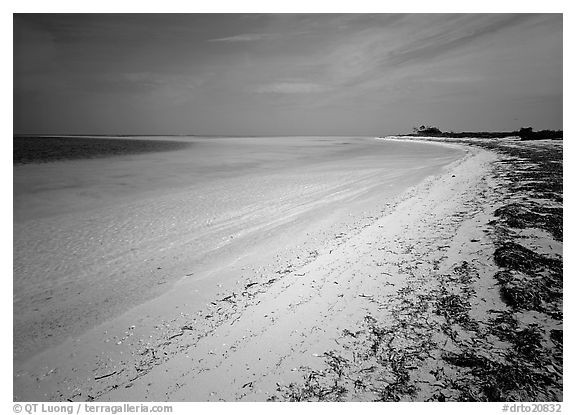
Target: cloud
379, 53
255, 37
292, 88
248, 37
457, 36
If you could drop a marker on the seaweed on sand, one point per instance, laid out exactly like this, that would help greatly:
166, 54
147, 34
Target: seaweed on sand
452, 307
513, 256
528, 341
520, 373
380, 368
557, 337
523, 292
525, 365
455, 309
494, 380
465, 273
528, 280
314, 388
536, 171
518, 216
524, 371
400, 385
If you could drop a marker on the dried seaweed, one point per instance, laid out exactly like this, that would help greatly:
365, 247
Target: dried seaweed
513, 256
520, 216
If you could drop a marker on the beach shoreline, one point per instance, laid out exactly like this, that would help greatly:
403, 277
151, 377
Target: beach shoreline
88, 246
301, 324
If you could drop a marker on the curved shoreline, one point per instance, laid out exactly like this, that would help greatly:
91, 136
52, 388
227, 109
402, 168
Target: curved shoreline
85, 244
385, 299
201, 287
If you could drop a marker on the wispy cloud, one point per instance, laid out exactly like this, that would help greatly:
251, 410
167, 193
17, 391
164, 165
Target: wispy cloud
292, 88
179, 68
378, 54
454, 37
255, 37
248, 37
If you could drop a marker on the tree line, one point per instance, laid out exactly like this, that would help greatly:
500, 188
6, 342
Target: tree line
525, 133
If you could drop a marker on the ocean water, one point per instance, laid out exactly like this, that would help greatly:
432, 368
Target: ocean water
56, 148
93, 237
132, 169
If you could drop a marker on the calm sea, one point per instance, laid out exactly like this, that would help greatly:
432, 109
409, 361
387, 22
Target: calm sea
55, 148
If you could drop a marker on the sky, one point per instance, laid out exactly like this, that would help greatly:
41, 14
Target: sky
285, 74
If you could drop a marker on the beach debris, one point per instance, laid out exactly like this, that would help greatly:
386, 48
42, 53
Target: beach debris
229, 297
105, 376
286, 270
516, 257
347, 332
176, 335
453, 308
528, 280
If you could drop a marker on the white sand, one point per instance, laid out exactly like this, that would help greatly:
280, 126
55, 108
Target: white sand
121, 278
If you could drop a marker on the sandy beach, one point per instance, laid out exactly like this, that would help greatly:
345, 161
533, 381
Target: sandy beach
320, 206
326, 269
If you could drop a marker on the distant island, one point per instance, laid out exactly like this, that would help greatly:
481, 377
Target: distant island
526, 133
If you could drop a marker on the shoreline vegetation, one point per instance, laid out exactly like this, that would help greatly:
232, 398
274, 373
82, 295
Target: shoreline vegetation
524, 133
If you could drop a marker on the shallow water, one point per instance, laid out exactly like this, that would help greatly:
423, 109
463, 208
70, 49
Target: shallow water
45, 149
94, 237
